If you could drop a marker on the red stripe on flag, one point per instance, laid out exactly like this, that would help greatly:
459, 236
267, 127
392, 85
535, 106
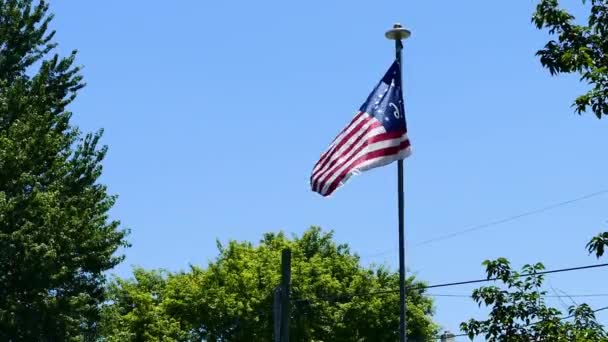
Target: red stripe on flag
341, 142
328, 167
385, 136
374, 139
375, 154
332, 142
349, 124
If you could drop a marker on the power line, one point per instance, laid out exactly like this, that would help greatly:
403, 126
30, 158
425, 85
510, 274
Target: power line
498, 222
561, 319
420, 286
594, 311
521, 275
454, 295
601, 309
423, 286
512, 218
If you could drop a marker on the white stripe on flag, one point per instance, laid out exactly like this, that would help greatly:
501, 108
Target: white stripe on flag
373, 163
332, 146
368, 149
341, 157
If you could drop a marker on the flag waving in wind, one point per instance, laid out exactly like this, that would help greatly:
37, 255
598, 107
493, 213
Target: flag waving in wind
376, 136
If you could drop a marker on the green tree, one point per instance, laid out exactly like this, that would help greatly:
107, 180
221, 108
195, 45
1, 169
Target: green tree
139, 309
232, 298
56, 240
518, 312
598, 244
580, 49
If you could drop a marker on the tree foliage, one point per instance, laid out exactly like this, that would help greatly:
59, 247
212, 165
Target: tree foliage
578, 48
55, 236
232, 298
581, 49
518, 312
598, 244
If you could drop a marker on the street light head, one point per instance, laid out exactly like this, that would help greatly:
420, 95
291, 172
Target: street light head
397, 32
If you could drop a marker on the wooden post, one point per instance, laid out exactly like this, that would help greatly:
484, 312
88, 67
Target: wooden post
276, 314
447, 337
285, 290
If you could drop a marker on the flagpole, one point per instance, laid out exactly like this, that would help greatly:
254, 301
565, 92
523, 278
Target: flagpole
397, 33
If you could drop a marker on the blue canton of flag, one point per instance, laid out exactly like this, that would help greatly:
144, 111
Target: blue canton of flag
376, 136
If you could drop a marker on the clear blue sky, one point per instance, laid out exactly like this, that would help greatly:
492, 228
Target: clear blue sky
215, 112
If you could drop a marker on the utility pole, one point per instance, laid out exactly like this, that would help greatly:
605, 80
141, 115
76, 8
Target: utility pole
276, 314
448, 337
285, 290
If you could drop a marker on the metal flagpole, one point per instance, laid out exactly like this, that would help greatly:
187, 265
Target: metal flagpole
397, 33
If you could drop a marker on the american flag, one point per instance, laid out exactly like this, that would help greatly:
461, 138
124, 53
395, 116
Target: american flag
376, 136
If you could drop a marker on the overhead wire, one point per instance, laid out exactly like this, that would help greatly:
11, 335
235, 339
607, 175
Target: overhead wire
494, 223
512, 218
421, 286
561, 319
456, 295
